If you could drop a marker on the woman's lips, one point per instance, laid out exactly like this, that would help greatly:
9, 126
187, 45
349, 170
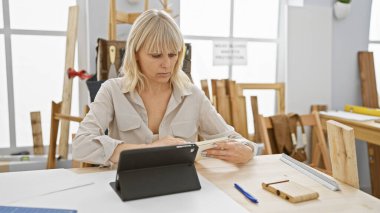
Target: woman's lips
164, 74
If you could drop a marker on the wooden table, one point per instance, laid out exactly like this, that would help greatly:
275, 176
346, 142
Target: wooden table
265, 167
364, 130
262, 168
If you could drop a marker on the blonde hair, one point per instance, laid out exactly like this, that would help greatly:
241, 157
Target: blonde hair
158, 32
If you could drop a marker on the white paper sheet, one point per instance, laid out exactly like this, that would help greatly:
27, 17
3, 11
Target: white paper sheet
100, 197
350, 115
17, 186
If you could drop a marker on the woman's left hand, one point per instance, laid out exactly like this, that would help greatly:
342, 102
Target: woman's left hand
231, 151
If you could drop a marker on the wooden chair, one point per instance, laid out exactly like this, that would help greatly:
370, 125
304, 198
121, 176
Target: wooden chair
343, 153
56, 117
320, 150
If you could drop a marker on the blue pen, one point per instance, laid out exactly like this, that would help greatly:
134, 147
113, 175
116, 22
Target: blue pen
246, 194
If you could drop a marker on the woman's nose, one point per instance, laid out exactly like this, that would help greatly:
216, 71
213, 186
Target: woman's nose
165, 62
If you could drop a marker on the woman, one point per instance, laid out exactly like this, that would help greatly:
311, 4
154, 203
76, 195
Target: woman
154, 103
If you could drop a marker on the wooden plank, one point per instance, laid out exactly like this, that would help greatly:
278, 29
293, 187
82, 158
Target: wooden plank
71, 38
314, 140
38, 146
264, 125
63, 117
256, 121
54, 124
370, 99
205, 89
124, 18
281, 98
322, 143
343, 153
240, 116
112, 20
368, 80
223, 107
261, 85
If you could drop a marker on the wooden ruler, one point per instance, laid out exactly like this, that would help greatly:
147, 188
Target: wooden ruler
307, 170
72, 29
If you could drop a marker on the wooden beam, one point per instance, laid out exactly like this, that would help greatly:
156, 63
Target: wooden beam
38, 146
54, 124
370, 99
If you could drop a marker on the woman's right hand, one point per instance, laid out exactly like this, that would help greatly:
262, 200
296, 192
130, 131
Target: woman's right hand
168, 141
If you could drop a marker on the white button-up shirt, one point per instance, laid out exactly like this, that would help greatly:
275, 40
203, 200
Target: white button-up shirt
189, 114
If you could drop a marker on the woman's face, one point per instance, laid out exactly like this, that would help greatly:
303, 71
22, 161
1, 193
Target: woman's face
157, 67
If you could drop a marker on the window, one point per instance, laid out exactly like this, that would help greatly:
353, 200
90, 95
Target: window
4, 124
374, 39
35, 58
1, 15
254, 22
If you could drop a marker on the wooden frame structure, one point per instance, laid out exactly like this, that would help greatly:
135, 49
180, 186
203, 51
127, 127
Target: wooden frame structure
320, 149
228, 99
117, 17
56, 117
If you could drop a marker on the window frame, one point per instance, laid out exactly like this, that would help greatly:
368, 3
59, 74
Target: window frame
232, 38
279, 42
377, 42
7, 31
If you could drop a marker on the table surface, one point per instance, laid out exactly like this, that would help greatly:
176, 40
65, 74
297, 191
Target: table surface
269, 167
364, 130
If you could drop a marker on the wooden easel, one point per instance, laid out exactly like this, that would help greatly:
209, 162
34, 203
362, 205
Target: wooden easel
61, 110
118, 17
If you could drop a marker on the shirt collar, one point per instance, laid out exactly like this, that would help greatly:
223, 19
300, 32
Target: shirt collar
178, 93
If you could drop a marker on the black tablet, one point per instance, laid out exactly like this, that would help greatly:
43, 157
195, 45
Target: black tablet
156, 171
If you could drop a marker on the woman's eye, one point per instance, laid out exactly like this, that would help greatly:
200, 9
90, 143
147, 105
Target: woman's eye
171, 55
156, 55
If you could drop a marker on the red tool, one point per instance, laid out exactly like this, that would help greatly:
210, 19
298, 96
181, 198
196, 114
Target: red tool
82, 74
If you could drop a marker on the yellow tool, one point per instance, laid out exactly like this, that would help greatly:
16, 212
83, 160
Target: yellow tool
362, 110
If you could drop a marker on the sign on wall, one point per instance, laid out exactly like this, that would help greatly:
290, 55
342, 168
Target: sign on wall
230, 53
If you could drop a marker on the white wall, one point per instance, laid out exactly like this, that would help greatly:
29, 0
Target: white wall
341, 74
309, 57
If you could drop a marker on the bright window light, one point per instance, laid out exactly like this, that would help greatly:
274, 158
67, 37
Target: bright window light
38, 80
4, 121
39, 14
205, 18
256, 18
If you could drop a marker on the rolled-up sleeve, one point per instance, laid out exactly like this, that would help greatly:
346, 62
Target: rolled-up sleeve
90, 143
